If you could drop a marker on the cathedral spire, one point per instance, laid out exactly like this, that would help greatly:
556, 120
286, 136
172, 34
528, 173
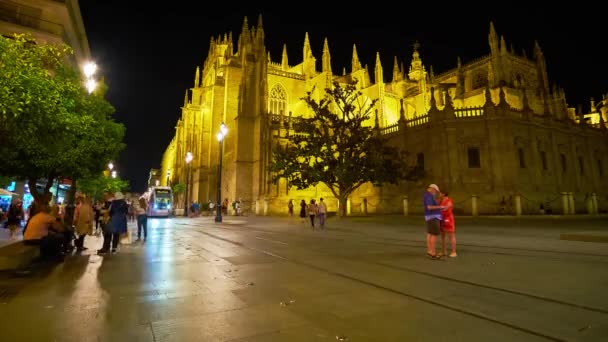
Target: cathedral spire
417, 72
503, 45
245, 36
396, 72
229, 50
197, 77
537, 50
326, 59
186, 98
379, 74
541, 68
260, 29
493, 40
309, 61
284, 62
307, 50
245, 26
356, 65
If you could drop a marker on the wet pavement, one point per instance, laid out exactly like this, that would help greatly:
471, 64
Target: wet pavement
363, 279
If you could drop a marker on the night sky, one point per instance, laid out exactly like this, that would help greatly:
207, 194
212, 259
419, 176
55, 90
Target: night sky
148, 54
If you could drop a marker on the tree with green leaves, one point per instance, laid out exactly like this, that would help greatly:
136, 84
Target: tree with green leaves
4, 181
178, 190
50, 125
337, 147
95, 187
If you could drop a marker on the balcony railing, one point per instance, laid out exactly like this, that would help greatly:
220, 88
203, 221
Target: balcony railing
27, 16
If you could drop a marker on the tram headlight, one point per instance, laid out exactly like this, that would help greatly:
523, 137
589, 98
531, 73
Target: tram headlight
168, 206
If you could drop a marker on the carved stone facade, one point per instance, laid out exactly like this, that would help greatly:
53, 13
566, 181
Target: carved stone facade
491, 127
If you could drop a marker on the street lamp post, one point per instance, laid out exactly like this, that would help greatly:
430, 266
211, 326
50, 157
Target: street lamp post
220, 138
188, 160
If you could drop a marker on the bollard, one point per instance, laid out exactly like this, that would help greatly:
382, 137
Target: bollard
517, 205
565, 203
348, 206
265, 206
571, 203
596, 210
405, 206
474, 211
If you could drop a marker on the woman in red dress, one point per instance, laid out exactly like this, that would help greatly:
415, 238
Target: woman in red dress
447, 224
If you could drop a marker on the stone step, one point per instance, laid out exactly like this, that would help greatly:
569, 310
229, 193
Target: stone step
17, 255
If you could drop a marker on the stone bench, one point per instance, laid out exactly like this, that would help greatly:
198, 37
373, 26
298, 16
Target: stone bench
17, 255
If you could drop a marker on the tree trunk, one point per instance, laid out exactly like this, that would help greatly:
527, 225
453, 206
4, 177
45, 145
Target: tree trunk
343, 201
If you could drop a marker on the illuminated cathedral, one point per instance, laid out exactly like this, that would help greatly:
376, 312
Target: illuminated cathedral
491, 130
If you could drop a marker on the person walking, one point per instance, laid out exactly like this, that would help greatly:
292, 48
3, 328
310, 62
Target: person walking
14, 217
303, 211
432, 218
290, 208
117, 223
142, 218
321, 212
312, 212
83, 221
448, 226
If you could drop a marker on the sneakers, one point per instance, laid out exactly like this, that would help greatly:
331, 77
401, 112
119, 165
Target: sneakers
102, 251
453, 255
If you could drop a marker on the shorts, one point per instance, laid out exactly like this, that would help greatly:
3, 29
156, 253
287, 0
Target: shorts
433, 226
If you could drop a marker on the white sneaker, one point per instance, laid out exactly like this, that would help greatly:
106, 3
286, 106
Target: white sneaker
453, 255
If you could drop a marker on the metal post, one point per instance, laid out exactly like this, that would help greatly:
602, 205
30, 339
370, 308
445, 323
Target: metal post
57, 191
187, 190
218, 212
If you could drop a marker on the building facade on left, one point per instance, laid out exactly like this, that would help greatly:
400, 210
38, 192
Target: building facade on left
49, 21
53, 22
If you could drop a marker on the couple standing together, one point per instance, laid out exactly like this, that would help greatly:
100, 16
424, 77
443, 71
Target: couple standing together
439, 219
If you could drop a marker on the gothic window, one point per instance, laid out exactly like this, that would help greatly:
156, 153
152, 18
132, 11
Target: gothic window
543, 159
480, 80
473, 156
522, 158
581, 165
562, 158
278, 100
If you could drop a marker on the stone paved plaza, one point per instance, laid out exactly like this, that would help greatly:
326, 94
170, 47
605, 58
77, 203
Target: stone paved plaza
364, 279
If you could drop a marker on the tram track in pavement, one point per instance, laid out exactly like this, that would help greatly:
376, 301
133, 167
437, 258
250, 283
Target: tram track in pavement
420, 243
431, 301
